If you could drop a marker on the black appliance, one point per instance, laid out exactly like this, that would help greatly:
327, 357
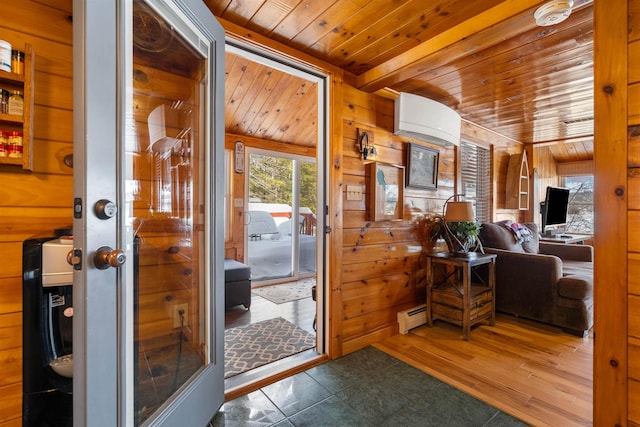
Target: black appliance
47, 284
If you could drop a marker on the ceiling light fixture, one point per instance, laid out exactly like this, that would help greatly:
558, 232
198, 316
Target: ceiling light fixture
553, 12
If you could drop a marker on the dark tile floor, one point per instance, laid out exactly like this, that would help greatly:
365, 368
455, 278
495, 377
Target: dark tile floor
364, 388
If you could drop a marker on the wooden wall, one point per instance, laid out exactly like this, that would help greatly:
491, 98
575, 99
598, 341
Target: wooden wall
633, 215
34, 202
377, 266
382, 269
616, 161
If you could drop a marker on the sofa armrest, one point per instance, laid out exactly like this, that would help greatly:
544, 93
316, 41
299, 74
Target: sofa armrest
564, 251
576, 287
527, 284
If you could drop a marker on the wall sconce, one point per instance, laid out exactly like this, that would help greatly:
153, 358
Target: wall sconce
366, 149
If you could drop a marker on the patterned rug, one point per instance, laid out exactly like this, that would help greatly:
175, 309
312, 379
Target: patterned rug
286, 292
248, 347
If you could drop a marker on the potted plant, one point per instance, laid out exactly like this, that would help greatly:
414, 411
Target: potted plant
430, 229
460, 236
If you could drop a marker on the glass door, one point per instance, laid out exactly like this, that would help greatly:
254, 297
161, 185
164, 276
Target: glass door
281, 218
148, 214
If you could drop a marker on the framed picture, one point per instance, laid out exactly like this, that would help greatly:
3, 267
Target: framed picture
386, 191
422, 166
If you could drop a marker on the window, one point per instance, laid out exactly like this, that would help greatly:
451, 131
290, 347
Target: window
580, 209
476, 178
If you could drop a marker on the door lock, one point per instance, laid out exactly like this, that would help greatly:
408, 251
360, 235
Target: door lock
106, 257
105, 209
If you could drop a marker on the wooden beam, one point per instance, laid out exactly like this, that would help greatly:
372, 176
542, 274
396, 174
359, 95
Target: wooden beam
610, 270
492, 26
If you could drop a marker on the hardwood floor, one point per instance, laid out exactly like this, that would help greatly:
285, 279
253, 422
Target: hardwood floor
531, 371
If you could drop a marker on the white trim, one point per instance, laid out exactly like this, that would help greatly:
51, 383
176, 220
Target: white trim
286, 65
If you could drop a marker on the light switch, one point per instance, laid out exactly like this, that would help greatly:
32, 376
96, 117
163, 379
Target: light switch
354, 192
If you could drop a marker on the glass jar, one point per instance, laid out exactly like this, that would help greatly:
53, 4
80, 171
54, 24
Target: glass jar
14, 144
16, 103
3, 143
5, 56
4, 101
17, 61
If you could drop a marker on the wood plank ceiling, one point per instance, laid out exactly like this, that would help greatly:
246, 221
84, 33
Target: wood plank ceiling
486, 59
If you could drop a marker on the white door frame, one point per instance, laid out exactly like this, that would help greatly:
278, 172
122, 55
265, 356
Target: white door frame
287, 65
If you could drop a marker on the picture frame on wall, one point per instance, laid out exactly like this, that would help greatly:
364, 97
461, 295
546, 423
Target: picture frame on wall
422, 166
386, 191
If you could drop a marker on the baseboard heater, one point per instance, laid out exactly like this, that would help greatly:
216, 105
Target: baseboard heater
412, 318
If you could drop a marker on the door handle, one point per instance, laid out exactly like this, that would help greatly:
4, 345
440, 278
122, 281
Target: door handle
106, 257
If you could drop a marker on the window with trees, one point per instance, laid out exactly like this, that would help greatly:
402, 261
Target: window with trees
580, 209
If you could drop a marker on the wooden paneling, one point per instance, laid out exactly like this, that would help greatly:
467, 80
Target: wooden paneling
546, 174
34, 203
487, 60
611, 404
11, 410
381, 266
574, 168
266, 103
632, 393
380, 259
335, 30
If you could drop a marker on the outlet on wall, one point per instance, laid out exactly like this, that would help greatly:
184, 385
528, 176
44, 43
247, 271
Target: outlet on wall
177, 318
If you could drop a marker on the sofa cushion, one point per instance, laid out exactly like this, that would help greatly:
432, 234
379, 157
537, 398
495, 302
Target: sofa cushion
499, 237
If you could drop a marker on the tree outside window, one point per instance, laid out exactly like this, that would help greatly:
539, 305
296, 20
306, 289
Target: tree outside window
580, 209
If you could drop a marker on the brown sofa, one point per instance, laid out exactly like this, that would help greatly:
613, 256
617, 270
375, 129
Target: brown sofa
546, 282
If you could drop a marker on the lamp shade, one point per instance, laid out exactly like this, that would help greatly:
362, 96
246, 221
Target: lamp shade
459, 212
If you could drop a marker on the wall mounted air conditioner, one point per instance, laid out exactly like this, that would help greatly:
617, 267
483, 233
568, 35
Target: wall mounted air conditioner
427, 120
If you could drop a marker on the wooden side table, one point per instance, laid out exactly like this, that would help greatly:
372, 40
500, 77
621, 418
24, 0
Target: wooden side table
462, 297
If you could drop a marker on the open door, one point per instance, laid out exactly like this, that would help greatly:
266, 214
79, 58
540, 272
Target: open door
148, 229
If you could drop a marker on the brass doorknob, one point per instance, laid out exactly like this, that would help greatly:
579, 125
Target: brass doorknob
106, 257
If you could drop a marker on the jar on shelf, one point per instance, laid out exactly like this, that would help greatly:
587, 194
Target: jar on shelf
16, 103
5, 56
17, 61
3, 143
4, 101
14, 144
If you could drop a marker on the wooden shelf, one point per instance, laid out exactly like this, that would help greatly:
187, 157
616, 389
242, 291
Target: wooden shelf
24, 123
517, 188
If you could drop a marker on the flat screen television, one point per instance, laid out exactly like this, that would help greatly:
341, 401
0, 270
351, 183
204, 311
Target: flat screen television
554, 211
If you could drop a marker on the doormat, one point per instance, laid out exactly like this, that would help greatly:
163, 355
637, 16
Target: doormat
286, 292
251, 346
